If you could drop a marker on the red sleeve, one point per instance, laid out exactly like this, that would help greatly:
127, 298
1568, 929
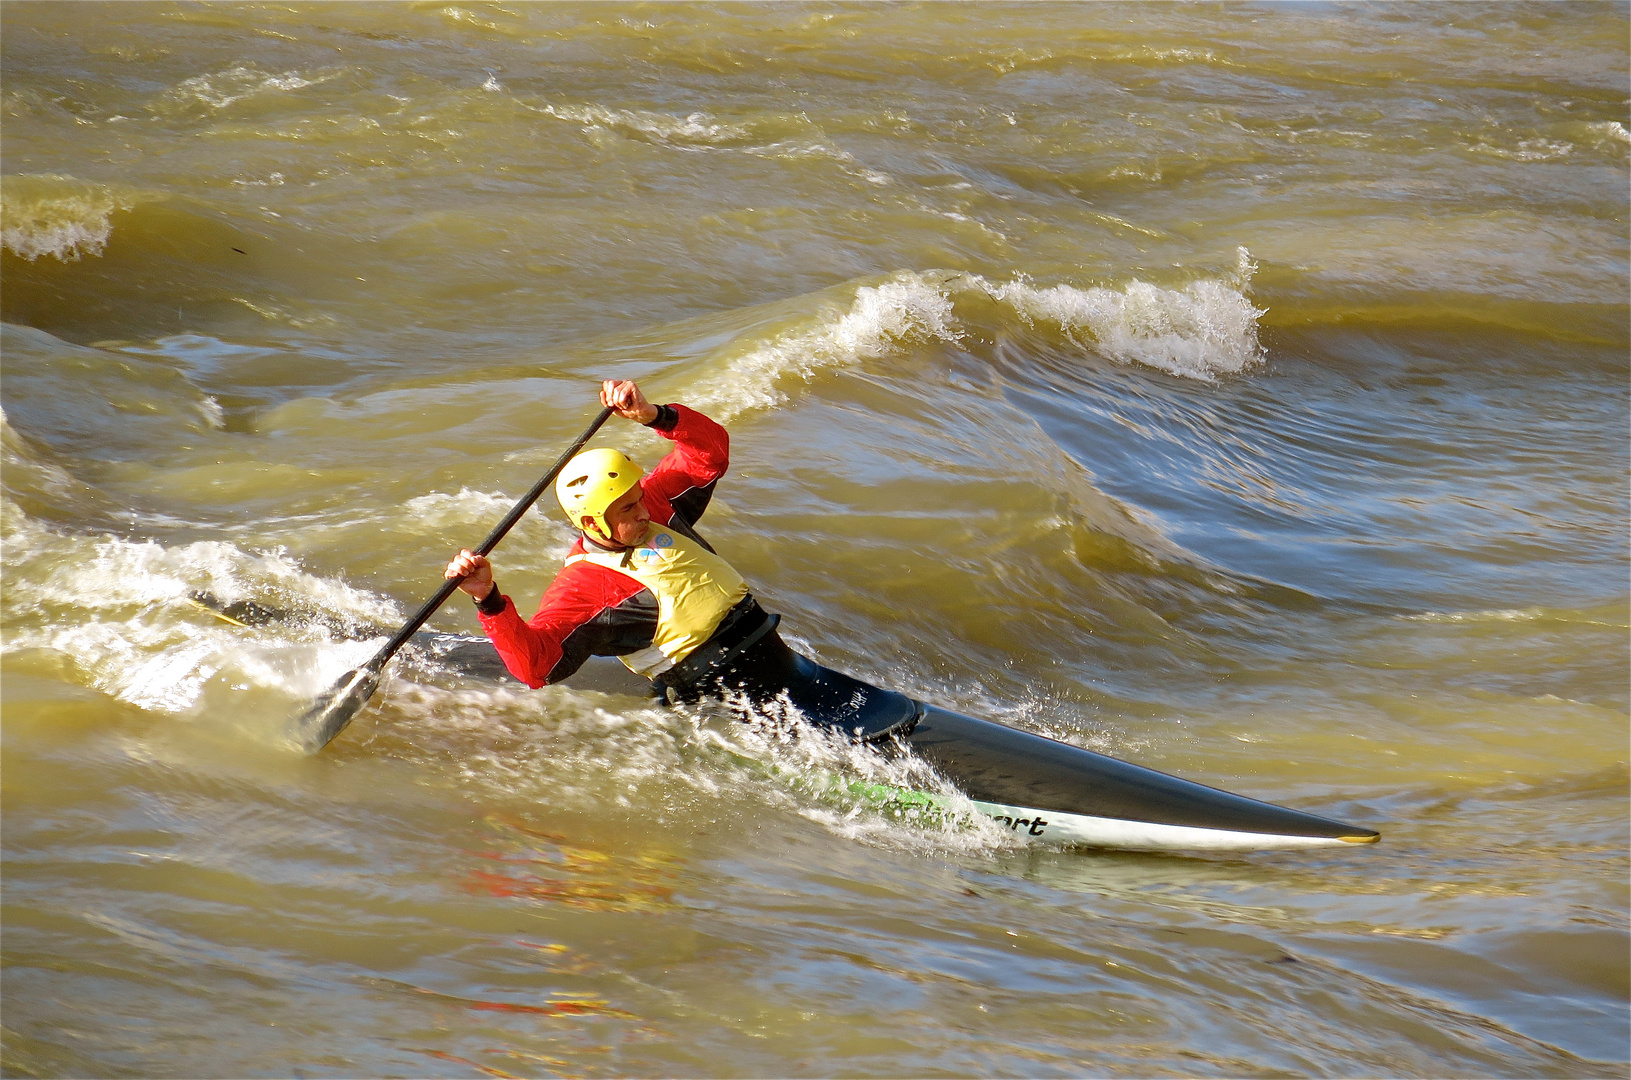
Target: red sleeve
701, 454
532, 649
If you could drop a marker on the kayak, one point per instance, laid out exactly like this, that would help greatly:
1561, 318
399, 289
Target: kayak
1063, 794
1041, 789
1051, 791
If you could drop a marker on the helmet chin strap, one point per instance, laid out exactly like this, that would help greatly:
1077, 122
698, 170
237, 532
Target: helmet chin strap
588, 525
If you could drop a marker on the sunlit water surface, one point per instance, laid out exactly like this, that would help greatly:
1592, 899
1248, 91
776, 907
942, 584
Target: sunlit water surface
1240, 390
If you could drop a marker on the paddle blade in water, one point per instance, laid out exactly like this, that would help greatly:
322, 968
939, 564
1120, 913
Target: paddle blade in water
332, 711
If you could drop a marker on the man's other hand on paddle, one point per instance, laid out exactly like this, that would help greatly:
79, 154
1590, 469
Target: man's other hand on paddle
476, 571
624, 397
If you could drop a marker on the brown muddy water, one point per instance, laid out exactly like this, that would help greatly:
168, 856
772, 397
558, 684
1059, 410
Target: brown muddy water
1240, 390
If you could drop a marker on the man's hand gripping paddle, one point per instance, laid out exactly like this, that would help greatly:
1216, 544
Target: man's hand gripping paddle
316, 727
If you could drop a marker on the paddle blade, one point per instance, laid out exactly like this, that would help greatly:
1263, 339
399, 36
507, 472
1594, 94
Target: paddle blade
332, 711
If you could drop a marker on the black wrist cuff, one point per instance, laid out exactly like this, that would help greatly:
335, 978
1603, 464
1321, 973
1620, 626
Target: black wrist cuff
492, 603
665, 419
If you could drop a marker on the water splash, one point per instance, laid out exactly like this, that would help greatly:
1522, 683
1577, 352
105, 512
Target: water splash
119, 612
222, 89
570, 747
1198, 331
682, 131
1205, 329
60, 216
909, 307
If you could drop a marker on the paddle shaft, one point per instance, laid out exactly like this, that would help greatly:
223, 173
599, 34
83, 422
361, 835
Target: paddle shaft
412, 626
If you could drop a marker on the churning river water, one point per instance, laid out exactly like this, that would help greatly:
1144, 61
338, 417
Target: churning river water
1240, 390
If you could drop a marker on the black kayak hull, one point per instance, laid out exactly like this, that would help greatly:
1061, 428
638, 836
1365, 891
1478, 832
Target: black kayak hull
1044, 790
1053, 792
1049, 791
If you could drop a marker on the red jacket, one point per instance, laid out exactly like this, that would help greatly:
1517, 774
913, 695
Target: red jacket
589, 610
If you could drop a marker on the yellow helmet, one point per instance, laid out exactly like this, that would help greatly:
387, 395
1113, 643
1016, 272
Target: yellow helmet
594, 480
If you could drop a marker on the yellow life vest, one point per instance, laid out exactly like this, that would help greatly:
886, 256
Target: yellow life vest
694, 589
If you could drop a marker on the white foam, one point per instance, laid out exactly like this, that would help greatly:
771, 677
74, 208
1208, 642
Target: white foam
131, 633
172, 680
1612, 130
1198, 331
220, 89
1517, 615
907, 308
1526, 150
695, 127
849, 789
795, 149
468, 508
105, 573
563, 746
1502, 615
47, 214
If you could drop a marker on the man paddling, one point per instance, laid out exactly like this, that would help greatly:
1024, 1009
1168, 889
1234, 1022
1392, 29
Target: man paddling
640, 584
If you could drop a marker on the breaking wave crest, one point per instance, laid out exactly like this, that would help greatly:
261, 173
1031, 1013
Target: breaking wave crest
909, 307
693, 128
219, 90
1199, 331
1205, 329
117, 610
59, 216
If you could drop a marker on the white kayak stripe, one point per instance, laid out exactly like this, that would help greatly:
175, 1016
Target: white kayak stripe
1052, 827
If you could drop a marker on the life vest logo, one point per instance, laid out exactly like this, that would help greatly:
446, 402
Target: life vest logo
657, 550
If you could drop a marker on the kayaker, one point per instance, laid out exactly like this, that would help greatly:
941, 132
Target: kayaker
640, 584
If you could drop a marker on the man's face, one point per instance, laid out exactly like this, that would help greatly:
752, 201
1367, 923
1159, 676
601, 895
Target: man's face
626, 519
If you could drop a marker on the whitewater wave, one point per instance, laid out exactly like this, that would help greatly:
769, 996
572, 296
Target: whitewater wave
117, 610
80, 399
222, 89
909, 307
850, 789
60, 216
1205, 329
779, 136
1525, 150
694, 127
1199, 331
566, 747
1610, 131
